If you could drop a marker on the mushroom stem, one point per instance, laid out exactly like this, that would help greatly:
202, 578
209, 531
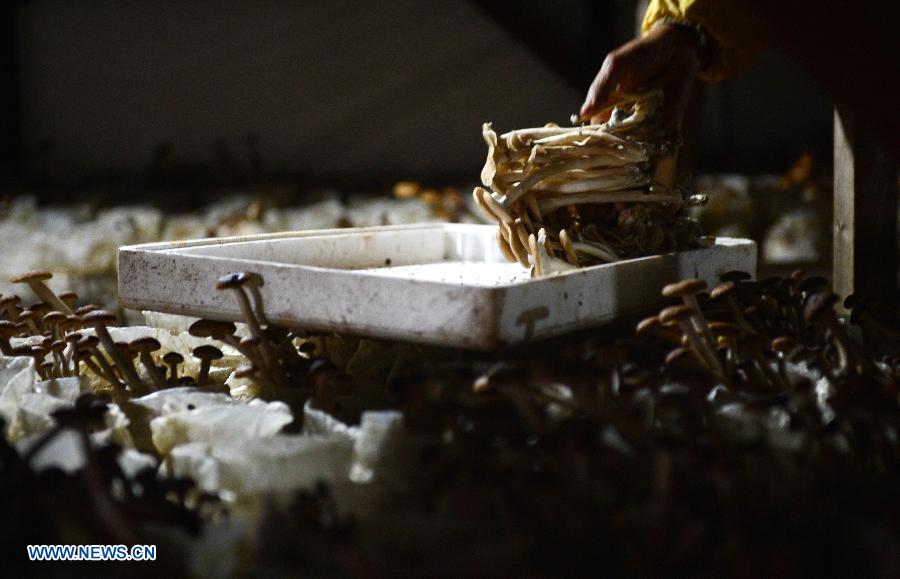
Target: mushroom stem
105, 370
203, 377
254, 283
153, 370
121, 361
93, 368
46, 294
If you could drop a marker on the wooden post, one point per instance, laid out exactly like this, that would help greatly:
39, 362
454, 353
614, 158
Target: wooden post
865, 216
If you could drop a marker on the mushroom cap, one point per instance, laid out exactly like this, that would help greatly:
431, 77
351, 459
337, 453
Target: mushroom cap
72, 338
40, 309
677, 355
232, 280
74, 321
13, 299
722, 289
211, 329
35, 275
173, 358
58, 346
246, 371
54, 317
8, 329
647, 324
735, 276
784, 344
250, 342
84, 310
99, 318
818, 304
683, 288
68, 296
207, 352
88, 341
676, 313
146, 344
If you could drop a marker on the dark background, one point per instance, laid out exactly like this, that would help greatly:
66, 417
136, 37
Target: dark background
349, 93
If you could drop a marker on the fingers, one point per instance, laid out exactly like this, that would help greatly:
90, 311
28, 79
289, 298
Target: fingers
642, 63
604, 84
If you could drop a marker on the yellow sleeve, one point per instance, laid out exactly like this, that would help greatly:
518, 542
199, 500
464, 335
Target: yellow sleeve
730, 24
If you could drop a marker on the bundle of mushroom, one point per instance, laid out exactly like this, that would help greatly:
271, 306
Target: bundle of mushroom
574, 196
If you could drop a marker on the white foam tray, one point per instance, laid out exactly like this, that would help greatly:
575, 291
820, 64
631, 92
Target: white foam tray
444, 284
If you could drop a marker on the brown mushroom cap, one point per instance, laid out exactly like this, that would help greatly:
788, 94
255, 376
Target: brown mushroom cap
173, 358
722, 289
89, 341
145, 344
677, 355
13, 300
784, 344
99, 318
8, 329
54, 318
36, 275
647, 325
68, 297
211, 329
250, 342
683, 288
232, 280
207, 352
84, 310
676, 313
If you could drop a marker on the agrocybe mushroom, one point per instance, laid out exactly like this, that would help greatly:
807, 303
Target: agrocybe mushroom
277, 364
575, 196
57, 335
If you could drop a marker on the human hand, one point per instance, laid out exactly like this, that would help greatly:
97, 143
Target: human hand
668, 58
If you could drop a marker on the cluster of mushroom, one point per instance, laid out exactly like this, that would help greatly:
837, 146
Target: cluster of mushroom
279, 362
755, 332
575, 196
64, 340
